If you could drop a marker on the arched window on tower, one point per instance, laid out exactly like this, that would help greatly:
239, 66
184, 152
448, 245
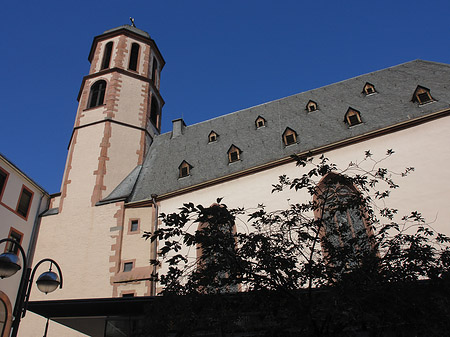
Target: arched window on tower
107, 55
344, 228
97, 94
134, 55
154, 111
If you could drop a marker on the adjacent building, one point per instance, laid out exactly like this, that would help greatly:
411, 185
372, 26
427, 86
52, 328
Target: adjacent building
21, 202
121, 171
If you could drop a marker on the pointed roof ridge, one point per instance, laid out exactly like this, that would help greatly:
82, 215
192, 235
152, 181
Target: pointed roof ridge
130, 28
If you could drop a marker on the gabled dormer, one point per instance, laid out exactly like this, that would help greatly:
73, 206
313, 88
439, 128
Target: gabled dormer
422, 95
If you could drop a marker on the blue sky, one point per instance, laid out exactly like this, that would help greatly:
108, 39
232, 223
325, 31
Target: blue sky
221, 56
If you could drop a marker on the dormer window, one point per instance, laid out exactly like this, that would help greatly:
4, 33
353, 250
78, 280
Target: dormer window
184, 169
234, 154
289, 137
107, 55
352, 117
260, 122
369, 89
212, 137
311, 106
422, 95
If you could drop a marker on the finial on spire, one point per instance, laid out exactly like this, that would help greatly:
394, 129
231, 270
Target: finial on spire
132, 22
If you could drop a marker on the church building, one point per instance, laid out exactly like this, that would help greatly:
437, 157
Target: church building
122, 172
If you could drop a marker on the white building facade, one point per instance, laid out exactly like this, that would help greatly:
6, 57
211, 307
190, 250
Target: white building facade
21, 203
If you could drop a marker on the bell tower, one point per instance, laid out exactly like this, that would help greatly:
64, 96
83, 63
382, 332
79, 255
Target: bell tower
118, 115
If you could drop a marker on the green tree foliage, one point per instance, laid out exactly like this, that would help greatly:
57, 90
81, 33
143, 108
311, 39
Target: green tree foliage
331, 259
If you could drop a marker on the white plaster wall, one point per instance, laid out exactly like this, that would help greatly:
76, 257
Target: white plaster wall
130, 101
122, 154
134, 246
84, 163
10, 219
427, 189
79, 240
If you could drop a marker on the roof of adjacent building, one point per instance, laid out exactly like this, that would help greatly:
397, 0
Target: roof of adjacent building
391, 104
23, 174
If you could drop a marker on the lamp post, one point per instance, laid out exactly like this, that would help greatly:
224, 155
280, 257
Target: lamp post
46, 282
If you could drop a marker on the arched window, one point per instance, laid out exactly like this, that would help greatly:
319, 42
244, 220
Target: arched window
134, 57
154, 111
5, 314
107, 55
154, 69
339, 212
97, 94
216, 249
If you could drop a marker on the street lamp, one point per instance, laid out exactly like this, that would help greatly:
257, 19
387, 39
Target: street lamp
46, 282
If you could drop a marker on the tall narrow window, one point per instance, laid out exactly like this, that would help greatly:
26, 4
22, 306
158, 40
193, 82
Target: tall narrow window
289, 137
345, 234
12, 247
3, 179
23, 206
107, 55
154, 70
97, 94
352, 117
154, 111
216, 249
134, 57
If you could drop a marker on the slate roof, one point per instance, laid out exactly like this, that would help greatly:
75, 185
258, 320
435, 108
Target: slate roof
131, 29
391, 105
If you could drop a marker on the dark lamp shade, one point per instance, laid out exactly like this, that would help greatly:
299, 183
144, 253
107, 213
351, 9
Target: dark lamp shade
9, 264
48, 282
